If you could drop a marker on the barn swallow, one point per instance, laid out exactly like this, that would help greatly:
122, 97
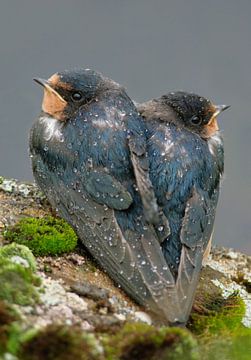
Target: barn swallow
88, 150
186, 162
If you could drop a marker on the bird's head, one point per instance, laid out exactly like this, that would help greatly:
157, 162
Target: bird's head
193, 112
65, 92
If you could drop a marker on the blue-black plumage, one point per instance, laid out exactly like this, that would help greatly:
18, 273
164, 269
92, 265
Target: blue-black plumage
186, 156
85, 147
141, 192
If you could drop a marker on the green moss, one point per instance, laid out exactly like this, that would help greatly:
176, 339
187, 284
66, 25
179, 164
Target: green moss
17, 283
220, 332
7, 317
12, 251
241, 345
45, 236
231, 347
140, 341
225, 317
60, 343
9, 329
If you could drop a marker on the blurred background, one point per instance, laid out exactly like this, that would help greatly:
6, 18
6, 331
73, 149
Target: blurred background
149, 46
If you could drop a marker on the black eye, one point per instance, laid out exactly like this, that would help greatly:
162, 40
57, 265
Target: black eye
77, 96
195, 120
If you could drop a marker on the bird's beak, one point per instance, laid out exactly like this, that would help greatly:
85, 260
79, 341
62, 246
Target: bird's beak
220, 108
53, 103
42, 82
48, 88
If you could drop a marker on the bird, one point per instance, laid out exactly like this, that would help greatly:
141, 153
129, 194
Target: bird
186, 163
88, 154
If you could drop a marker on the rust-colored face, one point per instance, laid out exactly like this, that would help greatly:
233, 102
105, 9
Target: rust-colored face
53, 103
66, 92
191, 111
212, 126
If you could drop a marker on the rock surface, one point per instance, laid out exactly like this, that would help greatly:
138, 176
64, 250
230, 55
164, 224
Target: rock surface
74, 291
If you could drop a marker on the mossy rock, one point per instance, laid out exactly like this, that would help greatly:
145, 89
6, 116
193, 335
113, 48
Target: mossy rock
240, 347
15, 251
58, 342
9, 330
219, 329
141, 341
17, 283
44, 236
225, 317
227, 347
217, 321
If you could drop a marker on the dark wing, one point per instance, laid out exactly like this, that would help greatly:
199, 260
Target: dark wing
105, 189
197, 223
197, 228
153, 213
132, 258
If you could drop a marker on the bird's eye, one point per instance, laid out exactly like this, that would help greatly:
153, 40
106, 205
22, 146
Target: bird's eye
77, 96
195, 120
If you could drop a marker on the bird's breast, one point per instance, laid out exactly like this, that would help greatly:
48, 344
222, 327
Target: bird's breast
52, 128
214, 143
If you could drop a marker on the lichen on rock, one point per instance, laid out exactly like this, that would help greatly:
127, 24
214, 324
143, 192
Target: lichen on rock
76, 296
18, 283
16, 253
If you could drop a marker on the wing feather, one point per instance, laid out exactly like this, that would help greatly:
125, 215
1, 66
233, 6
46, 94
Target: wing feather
153, 213
196, 231
133, 259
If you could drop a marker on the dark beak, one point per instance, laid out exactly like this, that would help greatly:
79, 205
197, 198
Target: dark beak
49, 90
42, 82
220, 108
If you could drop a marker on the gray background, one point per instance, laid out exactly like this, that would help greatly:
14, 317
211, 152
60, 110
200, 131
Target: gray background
151, 47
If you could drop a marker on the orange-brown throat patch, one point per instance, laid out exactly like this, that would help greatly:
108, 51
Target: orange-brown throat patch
53, 103
211, 128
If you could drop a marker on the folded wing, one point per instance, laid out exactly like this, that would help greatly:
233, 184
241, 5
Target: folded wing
133, 258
